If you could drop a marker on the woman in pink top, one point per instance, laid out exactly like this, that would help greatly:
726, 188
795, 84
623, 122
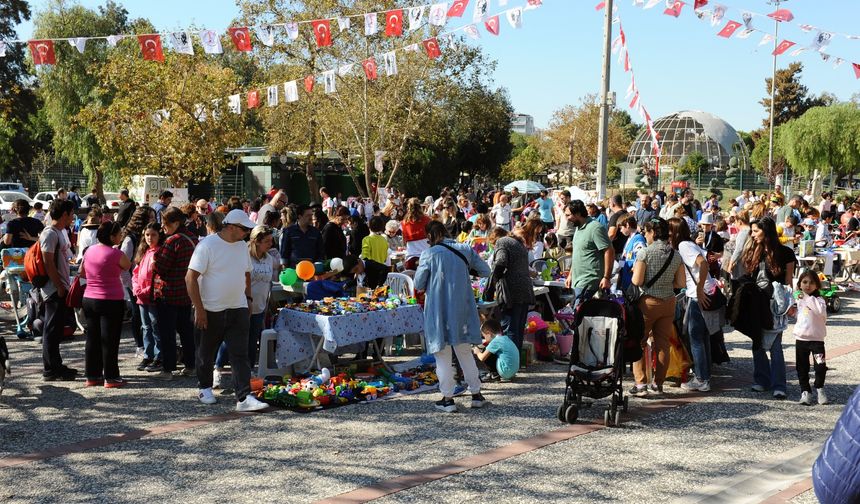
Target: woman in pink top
141, 281
104, 305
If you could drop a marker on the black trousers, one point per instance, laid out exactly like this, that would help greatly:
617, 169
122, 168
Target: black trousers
803, 350
104, 328
52, 333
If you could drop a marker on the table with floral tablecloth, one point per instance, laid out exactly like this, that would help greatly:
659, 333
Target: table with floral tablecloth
299, 332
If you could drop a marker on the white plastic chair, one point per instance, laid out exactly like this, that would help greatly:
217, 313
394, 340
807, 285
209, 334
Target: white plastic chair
402, 285
267, 364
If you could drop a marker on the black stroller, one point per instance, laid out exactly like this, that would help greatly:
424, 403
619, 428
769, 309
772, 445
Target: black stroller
596, 359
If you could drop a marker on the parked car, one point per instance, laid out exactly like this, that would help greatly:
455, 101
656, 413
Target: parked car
12, 186
46, 197
9, 197
112, 200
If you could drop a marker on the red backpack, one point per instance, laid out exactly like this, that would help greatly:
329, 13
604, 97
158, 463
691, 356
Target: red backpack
34, 264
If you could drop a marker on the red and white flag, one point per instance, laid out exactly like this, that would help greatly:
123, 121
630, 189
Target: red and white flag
394, 23
699, 4
600, 6
783, 46
322, 32
856, 70
241, 38
211, 42
675, 9
309, 83
782, 15
729, 29
150, 46
369, 66
253, 99
492, 25
43, 52
458, 8
431, 46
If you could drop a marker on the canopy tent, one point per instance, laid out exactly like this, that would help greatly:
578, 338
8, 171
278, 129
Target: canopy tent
525, 186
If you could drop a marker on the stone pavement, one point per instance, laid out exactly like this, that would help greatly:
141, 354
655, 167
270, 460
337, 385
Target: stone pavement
62, 442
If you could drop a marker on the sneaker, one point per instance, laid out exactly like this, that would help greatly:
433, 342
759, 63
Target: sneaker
460, 389
653, 387
25, 336
758, 388
490, 377
144, 364
822, 397
478, 401
68, 370
154, 367
447, 405
638, 390
207, 397
187, 371
216, 379
114, 383
139, 353
655, 391
248, 405
62, 375
163, 375
805, 398
779, 394
705, 386
95, 382
691, 385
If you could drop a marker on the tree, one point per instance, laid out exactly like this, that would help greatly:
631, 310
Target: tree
693, 163
792, 97
480, 123
824, 137
162, 119
527, 158
68, 87
22, 131
759, 156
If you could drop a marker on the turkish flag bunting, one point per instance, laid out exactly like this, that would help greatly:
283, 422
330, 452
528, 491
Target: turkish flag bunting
458, 8
783, 46
253, 99
322, 31
699, 4
241, 38
309, 84
492, 25
782, 15
729, 29
856, 70
43, 52
394, 23
431, 46
369, 68
150, 46
600, 6
675, 9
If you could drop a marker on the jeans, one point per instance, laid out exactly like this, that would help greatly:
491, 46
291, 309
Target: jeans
804, 350
148, 317
770, 374
513, 322
231, 327
104, 328
169, 320
445, 369
136, 323
52, 333
700, 341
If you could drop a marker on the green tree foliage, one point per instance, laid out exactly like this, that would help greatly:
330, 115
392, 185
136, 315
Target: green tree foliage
527, 157
824, 137
759, 156
693, 163
792, 98
68, 87
22, 131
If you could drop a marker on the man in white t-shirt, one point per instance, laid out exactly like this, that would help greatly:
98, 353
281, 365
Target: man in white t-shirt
220, 264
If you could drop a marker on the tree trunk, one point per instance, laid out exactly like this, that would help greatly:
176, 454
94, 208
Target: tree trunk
310, 163
99, 183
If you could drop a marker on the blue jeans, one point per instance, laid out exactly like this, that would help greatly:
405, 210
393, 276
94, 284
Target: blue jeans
513, 322
148, 316
700, 341
172, 319
256, 329
770, 374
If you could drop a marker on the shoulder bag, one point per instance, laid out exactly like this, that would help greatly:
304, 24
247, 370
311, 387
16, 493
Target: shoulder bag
634, 292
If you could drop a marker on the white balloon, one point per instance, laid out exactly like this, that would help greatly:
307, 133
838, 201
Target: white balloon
336, 265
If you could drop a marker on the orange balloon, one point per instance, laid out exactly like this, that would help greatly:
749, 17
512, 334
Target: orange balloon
305, 270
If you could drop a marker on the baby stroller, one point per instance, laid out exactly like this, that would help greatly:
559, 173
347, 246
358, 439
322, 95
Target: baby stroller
596, 360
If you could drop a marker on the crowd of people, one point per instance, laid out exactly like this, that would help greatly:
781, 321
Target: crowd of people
182, 267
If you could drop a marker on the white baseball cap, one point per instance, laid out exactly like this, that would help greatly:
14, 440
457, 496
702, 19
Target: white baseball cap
239, 218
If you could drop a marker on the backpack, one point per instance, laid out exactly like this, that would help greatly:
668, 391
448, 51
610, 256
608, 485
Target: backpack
34, 264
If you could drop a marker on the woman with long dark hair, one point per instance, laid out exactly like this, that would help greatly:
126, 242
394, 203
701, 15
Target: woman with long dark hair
131, 238
764, 252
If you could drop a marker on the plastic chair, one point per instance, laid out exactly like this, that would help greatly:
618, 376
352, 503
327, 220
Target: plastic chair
402, 285
268, 340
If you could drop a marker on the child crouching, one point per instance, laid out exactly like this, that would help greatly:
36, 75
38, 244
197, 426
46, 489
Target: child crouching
500, 354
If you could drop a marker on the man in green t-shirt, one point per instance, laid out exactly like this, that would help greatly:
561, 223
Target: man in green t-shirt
593, 255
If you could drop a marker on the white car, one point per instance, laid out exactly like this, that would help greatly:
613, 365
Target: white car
112, 200
9, 197
46, 197
12, 186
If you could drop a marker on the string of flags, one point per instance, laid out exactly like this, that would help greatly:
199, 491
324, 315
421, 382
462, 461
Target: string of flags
289, 90
152, 48
619, 46
717, 13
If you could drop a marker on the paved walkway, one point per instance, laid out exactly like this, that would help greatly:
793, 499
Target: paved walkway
62, 442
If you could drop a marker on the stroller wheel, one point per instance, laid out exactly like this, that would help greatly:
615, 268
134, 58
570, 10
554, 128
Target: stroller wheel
624, 404
618, 419
571, 414
559, 413
606, 416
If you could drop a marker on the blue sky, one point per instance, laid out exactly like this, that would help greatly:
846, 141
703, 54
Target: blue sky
556, 57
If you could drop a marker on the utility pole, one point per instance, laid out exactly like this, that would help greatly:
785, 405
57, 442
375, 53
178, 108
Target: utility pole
570, 157
773, 87
603, 131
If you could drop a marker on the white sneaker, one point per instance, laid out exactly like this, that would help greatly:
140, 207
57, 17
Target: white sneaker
705, 386
822, 397
692, 384
250, 404
216, 379
758, 388
206, 396
805, 398
139, 353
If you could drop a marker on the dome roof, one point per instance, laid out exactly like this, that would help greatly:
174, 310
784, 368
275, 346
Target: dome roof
688, 131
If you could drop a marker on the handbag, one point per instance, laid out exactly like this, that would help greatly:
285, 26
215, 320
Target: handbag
716, 300
634, 292
75, 296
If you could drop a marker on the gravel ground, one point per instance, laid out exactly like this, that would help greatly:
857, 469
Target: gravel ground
288, 457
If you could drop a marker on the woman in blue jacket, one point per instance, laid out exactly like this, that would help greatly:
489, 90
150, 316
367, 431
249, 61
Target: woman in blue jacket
835, 475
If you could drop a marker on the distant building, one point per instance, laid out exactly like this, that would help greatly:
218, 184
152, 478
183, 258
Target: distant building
523, 124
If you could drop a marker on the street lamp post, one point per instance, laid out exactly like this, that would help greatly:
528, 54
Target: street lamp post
773, 86
603, 132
